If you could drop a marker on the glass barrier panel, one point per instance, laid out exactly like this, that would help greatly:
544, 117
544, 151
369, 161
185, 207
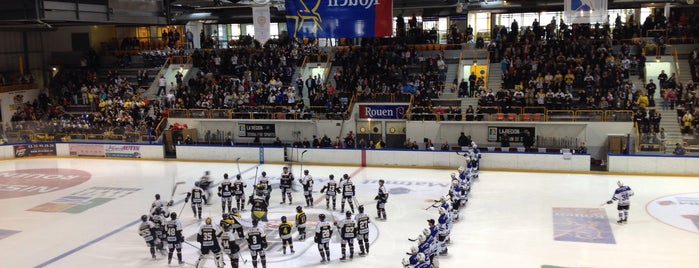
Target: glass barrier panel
619, 116
198, 113
560, 115
177, 113
589, 115
221, 113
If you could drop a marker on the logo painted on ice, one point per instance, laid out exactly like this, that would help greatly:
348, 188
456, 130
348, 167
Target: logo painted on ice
677, 210
26, 182
84, 200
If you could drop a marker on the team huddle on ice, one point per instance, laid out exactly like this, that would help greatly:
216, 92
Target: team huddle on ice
163, 228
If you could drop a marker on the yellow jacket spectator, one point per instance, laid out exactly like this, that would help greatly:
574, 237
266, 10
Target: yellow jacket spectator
642, 101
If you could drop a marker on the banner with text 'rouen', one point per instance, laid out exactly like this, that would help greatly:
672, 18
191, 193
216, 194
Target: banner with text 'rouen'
339, 18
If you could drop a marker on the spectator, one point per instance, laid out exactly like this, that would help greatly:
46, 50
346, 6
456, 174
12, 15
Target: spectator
581, 149
504, 140
679, 149
188, 140
445, 146
277, 142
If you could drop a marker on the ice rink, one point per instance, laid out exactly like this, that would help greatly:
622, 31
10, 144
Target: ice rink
71, 212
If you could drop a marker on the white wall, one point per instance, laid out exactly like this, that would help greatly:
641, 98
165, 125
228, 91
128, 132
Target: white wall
666, 165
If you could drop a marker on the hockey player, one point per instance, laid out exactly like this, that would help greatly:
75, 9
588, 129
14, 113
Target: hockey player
285, 228
412, 260
475, 159
622, 195
205, 182
257, 243
301, 222
287, 178
443, 234
422, 261
239, 192
381, 200
347, 192
363, 221
228, 244
173, 230
324, 232
307, 183
331, 190
266, 187
209, 243
225, 192
259, 204
157, 203
197, 195
348, 232
159, 220
147, 231
456, 198
236, 226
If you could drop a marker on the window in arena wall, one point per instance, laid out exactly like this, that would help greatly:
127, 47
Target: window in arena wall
235, 31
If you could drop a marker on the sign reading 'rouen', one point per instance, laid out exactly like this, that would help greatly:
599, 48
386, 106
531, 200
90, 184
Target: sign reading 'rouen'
384, 111
339, 18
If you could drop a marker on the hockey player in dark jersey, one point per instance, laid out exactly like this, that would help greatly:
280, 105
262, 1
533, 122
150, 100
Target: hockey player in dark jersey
259, 204
331, 190
285, 228
235, 225
381, 200
174, 237
228, 244
348, 192
301, 222
348, 232
197, 195
323, 235
257, 243
239, 192
307, 183
209, 243
287, 178
147, 231
159, 231
225, 192
363, 221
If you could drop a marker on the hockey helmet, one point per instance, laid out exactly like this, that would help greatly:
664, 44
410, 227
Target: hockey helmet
413, 250
144, 217
331, 176
255, 222
234, 210
299, 209
285, 168
421, 257
442, 210
454, 182
207, 172
283, 218
157, 196
173, 216
360, 208
238, 176
226, 216
321, 217
225, 175
619, 183
305, 172
348, 214
196, 183
345, 176
158, 210
420, 239
453, 175
264, 174
461, 169
426, 232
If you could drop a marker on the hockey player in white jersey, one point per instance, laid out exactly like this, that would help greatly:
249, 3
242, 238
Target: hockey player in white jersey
205, 182
622, 195
331, 190
348, 192
147, 231
174, 237
307, 183
239, 192
444, 230
225, 192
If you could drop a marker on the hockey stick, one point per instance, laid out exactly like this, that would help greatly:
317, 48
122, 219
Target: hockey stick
255, 183
245, 261
412, 240
185, 241
301, 170
174, 187
432, 206
238, 164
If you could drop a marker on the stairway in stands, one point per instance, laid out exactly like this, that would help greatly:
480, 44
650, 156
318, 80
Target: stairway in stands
494, 77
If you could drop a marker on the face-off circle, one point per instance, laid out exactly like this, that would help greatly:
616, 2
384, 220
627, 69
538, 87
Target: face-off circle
26, 182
